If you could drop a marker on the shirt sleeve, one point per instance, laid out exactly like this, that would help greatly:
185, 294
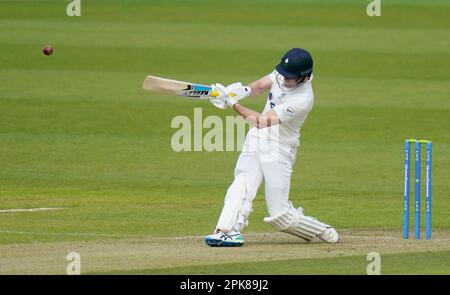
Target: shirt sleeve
294, 107
273, 77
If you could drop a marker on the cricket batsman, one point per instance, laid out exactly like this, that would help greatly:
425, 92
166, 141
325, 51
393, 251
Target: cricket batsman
269, 152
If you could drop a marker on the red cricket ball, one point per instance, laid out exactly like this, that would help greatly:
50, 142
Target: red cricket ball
48, 49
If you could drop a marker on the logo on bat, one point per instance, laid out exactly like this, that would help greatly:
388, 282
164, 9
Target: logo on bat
196, 91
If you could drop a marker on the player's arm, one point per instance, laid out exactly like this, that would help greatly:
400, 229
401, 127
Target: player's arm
260, 86
223, 101
255, 118
260, 121
237, 91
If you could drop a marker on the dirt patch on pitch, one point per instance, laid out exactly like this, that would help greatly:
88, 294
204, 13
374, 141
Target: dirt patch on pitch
164, 252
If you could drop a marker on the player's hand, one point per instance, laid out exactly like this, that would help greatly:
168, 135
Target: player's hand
221, 99
237, 91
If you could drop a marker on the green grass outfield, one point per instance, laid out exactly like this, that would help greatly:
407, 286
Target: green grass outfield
77, 131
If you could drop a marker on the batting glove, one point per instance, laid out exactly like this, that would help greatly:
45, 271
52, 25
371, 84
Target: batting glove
237, 91
221, 99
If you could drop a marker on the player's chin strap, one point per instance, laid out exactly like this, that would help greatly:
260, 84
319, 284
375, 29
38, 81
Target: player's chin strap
280, 82
292, 221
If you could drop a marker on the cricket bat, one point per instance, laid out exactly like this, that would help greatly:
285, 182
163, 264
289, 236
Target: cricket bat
186, 89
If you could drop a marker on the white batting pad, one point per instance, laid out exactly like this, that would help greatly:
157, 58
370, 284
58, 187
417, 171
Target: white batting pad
293, 222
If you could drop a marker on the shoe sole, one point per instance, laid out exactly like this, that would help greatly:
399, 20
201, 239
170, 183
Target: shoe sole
221, 243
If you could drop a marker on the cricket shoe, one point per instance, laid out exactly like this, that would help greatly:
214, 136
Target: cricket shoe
221, 239
330, 235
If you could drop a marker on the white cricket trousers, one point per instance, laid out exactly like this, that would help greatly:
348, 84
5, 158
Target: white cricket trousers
260, 159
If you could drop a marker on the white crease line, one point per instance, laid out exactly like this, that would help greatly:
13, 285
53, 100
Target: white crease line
28, 210
63, 234
98, 235
183, 237
369, 237
391, 238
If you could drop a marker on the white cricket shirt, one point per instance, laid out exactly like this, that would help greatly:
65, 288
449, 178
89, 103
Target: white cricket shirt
292, 108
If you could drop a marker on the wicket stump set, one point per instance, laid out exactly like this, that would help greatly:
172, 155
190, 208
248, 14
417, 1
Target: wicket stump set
417, 172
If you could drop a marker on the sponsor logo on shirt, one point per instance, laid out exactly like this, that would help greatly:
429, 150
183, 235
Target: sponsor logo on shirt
271, 100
